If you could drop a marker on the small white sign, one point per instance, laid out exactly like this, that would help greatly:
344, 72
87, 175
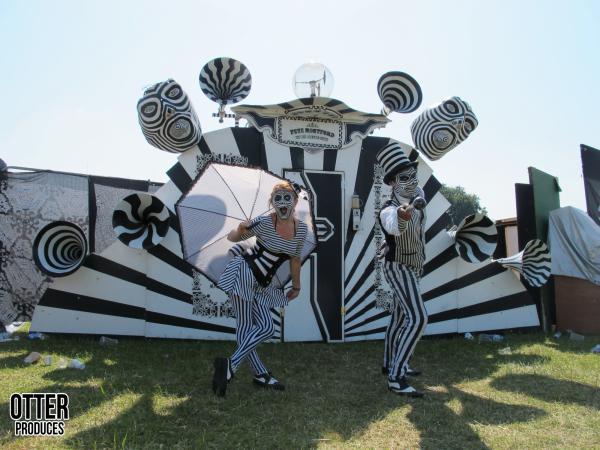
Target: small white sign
310, 133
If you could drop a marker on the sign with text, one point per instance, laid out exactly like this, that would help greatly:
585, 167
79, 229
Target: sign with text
310, 133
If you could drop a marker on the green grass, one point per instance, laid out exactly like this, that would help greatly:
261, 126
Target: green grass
147, 394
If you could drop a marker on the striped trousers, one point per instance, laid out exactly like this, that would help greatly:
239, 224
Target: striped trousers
408, 319
254, 325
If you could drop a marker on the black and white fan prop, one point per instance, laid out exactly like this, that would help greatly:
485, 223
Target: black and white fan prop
533, 262
475, 238
60, 248
225, 81
222, 196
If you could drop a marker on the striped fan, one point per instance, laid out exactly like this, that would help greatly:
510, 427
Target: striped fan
225, 81
141, 221
60, 248
399, 92
475, 238
533, 262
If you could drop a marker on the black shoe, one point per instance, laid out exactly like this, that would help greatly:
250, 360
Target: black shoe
384, 370
268, 381
219, 383
412, 372
401, 387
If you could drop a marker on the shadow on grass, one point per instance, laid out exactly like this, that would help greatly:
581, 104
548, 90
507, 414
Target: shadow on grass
550, 389
335, 393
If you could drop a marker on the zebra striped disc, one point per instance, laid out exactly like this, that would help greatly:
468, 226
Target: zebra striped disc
533, 262
141, 221
399, 92
438, 130
475, 238
225, 80
59, 248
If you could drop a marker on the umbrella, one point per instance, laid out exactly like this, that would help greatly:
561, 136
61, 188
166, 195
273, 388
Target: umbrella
222, 196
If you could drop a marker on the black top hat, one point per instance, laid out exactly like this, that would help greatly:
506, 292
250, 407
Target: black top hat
393, 159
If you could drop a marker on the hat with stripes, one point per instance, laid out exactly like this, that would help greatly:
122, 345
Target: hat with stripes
393, 158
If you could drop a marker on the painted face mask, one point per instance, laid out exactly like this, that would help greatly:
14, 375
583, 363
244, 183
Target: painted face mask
168, 119
283, 202
405, 183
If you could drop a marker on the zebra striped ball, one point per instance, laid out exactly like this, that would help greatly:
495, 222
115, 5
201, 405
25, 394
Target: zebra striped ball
168, 119
59, 249
225, 80
141, 221
438, 130
399, 92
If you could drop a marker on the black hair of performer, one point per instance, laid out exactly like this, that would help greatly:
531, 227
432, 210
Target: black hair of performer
247, 280
402, 220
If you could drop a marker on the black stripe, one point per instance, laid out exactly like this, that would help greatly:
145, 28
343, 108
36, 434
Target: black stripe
437, 226
167, 256
165, 319
366, 332
378, 316
174, 222
496, 305
360, 256
307, 101
249, 142
362, 298
333, 102
313, 301
92, 213
78, 302
439, 260
108, 267
297, 156
329, 159
203, 146
180, 177
432, 186
478, 275
364, 178
366, 274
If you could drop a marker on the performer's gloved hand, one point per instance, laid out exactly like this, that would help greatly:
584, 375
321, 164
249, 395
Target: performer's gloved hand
243, 227
292, 293
404, 211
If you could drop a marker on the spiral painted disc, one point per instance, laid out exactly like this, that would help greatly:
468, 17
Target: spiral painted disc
399, 92
225, 81
141, 221
60, 248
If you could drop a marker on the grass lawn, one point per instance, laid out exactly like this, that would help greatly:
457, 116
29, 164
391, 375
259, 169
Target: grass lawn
146, 394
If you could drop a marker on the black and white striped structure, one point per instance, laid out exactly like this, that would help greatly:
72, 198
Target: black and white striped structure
476, 237
141, 221
153, 293
533, 262
167, 118
225, 81
399, 92
439, 129
60, 248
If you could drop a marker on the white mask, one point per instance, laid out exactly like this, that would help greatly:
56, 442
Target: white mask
406, 183
283, 202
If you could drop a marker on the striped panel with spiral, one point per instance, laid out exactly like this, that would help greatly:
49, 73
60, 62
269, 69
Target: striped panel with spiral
141, 221
60, 248
225, 81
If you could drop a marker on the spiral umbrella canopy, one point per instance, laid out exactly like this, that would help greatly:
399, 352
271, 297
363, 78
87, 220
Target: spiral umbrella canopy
399, 92
475, 238
222, 196
533, 262
439, 129
141, 221
225, 80
60, 248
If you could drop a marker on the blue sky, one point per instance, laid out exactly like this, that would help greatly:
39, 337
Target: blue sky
73, 72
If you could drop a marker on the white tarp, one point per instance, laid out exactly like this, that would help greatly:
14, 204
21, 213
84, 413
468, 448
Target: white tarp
574, 240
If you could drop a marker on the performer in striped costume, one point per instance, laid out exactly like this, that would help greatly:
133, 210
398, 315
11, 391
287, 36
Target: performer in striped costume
402, 220
247, 280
